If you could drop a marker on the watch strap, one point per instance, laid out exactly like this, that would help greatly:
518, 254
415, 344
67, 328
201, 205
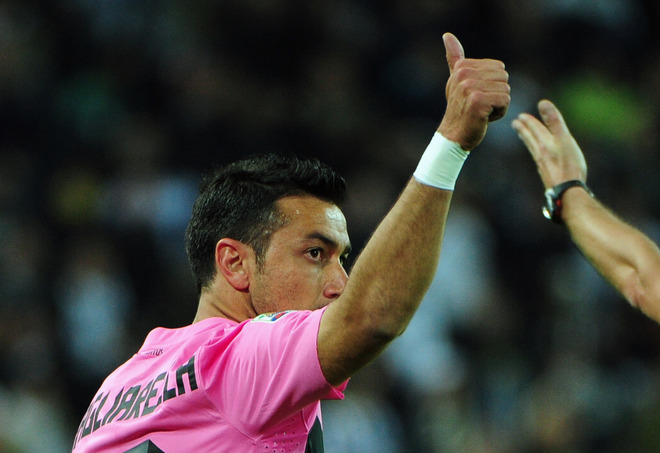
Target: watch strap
553, 195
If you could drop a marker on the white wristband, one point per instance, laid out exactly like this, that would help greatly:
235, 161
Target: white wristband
441, 163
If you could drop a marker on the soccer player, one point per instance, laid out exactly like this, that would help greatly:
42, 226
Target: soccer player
280, 326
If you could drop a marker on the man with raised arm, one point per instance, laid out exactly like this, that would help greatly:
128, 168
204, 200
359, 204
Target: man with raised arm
280, 326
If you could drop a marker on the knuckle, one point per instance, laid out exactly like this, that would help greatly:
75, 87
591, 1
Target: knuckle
462, 73
468, 86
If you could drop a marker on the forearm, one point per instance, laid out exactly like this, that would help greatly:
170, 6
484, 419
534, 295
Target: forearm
388, 280
396, 268
624, 256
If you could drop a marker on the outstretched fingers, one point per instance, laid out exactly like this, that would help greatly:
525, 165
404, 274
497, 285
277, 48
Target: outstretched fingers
557, 155
552, 118
533, 133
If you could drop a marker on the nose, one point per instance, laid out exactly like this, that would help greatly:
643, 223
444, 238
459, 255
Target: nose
336, 282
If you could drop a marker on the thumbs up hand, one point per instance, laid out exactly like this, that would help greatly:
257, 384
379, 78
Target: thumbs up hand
477, 92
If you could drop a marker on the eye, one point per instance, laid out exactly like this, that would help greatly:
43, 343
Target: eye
315, 254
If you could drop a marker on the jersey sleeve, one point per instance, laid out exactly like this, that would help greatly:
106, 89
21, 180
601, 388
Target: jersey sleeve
268, 370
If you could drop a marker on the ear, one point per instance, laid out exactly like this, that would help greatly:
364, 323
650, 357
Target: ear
233, 260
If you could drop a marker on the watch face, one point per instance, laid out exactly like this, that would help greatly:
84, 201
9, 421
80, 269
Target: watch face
549, 207
552, 207
546, 213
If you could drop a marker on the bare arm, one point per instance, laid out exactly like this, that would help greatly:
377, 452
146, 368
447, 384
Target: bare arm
392, 274
623, 255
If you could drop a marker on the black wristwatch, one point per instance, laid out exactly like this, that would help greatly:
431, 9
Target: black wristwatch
552, 207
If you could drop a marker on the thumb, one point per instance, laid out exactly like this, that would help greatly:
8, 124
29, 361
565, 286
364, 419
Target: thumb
552, 117
454, 50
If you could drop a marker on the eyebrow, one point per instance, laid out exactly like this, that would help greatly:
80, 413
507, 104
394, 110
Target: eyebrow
330, 242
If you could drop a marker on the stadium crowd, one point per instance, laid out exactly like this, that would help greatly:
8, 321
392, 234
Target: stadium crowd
110, 110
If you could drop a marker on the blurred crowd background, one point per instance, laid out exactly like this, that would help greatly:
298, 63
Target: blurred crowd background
110, 110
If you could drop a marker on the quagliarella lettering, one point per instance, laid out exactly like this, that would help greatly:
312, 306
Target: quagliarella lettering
136, 401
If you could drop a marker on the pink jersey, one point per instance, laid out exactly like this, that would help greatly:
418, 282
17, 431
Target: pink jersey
215, 386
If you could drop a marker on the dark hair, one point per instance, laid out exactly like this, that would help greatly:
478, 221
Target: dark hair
238, 201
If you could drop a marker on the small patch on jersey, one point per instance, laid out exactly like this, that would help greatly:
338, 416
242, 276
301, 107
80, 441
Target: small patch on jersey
271, 317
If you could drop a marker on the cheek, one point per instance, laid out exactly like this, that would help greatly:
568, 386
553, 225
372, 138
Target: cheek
298, 286
291, 289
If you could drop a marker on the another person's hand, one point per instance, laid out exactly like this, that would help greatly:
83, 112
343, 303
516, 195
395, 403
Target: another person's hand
556, 153
477, 92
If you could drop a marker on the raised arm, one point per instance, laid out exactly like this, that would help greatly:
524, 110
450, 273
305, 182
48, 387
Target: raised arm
623, 255
395, 269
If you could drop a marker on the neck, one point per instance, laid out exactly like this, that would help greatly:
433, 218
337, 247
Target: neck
212, 305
